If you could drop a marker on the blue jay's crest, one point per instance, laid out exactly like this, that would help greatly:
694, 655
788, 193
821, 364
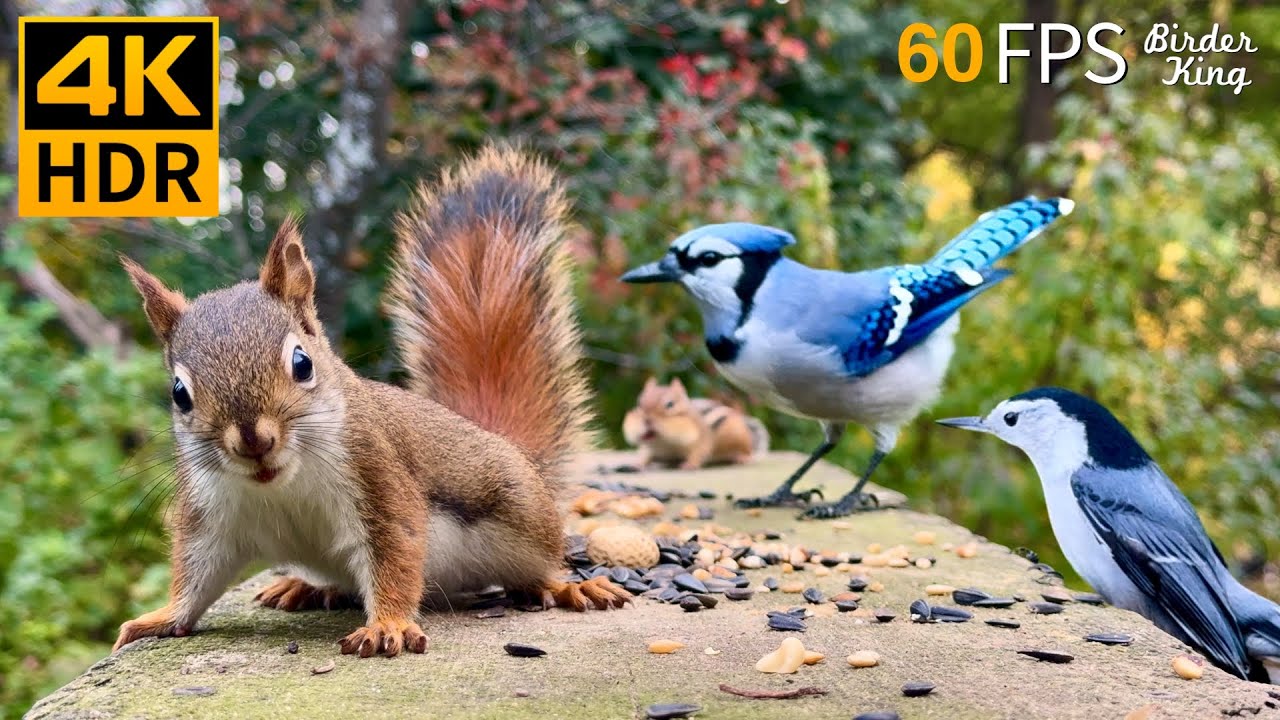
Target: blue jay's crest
1111, 445
745, 237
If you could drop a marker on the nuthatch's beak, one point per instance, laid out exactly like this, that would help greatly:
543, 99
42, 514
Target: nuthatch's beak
664, 270
965, 423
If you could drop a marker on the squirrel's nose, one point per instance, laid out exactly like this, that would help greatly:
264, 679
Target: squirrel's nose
254, 441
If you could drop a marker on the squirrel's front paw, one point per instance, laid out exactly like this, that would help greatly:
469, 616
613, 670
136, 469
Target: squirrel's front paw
157, 623
386, 637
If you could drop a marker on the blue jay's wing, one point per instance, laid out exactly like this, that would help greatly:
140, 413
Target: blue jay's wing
909, 303
1163, 550
1001, 231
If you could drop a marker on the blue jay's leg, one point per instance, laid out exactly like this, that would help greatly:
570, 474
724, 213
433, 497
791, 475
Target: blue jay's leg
783, 495
855, 500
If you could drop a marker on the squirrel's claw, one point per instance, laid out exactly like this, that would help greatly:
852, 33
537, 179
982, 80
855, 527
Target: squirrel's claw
157, 623
599, 592
292, 594
386, 638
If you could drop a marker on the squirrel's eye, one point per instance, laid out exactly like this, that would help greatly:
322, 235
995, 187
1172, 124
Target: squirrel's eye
709, 259
302, 369
1011, 419
671, 404
181, 397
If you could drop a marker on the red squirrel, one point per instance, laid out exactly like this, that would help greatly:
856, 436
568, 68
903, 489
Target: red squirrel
285, 454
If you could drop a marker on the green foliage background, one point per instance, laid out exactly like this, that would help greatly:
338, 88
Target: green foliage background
1160, 296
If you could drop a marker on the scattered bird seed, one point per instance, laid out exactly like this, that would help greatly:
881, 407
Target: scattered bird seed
521, 693
858, 583
925, 537
1187, 667
1044, 608
864, 659
665, 647
813, 657
792, 587
785, 660
1110, 638
921, 612
994, 603
1001, 623
685, 581
917, 689
518, 650
771, 583
496, 611
690, 603
707, 601
884, 615
950, 614
968, 596
203, 690
846, 605
292, 647
635, 587
1056, 595
327, 667
620, 575
1090, 598
739, 593
814, 596
1050, 656
786, 622
879, 715
938, 589
670, 711
752, 562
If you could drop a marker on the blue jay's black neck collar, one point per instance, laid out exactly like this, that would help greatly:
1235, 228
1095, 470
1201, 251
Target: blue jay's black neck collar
755, 267
1111, 445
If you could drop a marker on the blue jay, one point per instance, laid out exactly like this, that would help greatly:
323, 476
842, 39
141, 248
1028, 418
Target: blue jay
867, 347
1130, 533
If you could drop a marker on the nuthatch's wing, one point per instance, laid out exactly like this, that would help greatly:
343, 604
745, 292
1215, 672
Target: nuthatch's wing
1160, 545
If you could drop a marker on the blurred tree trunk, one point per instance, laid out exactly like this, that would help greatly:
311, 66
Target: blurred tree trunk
1036, 123
355, 159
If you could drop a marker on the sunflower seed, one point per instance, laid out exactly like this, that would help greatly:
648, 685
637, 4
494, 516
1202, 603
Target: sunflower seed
519, 650
620, 575
846, 605
950, 614
707, 601
1050, 656
771, 583
1057, 595
494, 612
670, 711
739, 593
786, 622
1001, 623
879, 715
921, 612
635, 587
292, 647
917, 689
858, 584
1090, 598
691, 603
884, 615
969, 596
1044, 608
685, 581
995, 603
814, 596
1110, 638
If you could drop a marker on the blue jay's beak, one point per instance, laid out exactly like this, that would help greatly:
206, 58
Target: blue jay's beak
965, 423
664, 270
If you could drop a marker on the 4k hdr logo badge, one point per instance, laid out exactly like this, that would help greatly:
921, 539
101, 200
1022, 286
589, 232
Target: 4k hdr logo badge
118, 117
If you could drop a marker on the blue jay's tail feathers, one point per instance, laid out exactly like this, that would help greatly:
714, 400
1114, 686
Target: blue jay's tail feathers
998, 233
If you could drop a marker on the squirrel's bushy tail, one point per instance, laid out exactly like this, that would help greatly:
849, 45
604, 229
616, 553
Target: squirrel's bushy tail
481, 298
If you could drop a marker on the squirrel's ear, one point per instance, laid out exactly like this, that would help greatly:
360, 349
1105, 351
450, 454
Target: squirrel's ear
651, 383
287, 275
163, 306
677, 386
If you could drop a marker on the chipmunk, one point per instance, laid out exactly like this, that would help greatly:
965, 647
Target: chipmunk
672, 429
374, 491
